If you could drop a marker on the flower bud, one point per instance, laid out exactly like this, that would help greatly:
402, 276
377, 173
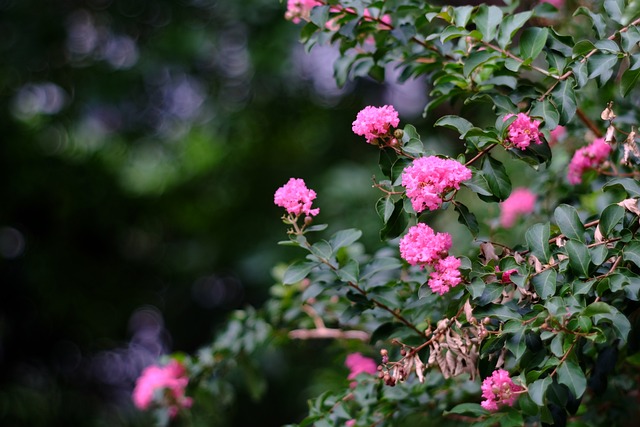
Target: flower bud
308, 220
398, 133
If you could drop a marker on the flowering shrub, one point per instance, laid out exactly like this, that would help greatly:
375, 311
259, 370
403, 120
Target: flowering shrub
522, 328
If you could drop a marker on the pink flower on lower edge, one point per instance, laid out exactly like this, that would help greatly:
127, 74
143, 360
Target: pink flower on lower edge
300, 9
506, 276
499, 390
358, 364
445, 276
296, 198
556, 3
589, 157
372, 122
428, 179
422, 246
521, 202
169, 380
350, 423
523, 131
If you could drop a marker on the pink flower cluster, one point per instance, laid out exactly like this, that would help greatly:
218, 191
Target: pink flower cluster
359, 364
427, 179
422, 246
296, 198
520, 202
523, 131
170, 380
373, 122
300, 9
499, 390
588, 157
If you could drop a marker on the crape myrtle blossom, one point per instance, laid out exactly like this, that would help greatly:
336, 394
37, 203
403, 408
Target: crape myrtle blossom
589, 157
296, 198
523, 131
168, 382
300, 9
557, 135
499, 390
445, 276
373, 122
358, 364
422, 246
428, 179
521, 202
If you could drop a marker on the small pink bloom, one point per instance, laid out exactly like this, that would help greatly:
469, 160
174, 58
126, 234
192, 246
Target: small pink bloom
589, 157
523, 131
556, 3
167, 381
296, 198
499, 390
300, 9
422, 246
506, 276
372, 122
557, 134
359, 364
350, 423
428, 179
520, 202
445, 276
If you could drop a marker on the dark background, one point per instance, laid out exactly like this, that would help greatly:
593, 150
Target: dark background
141, 143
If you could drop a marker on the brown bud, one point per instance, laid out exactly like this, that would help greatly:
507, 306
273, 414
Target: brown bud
394, 142
383, 352
398, 133
308, 220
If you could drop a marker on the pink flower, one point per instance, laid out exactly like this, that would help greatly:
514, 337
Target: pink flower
556, 3
445, 276
350, 423
427, 180
557, 134
499, 390
168, 382
521, 201
523, 131
358, 364
588, 157
300, 9
296, 198
422, 246
506, 276
372, 122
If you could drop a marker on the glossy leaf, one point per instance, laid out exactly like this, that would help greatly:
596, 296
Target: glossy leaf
538, 389
567, 218
510, 25
487, 20
532, 41
572, 376
497, 177
537, 238
579, 257
609, 218
467, 218
545, 283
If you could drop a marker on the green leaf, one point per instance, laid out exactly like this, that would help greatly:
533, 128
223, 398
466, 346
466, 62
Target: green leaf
510, 25
598, 307
572, 376
349, 272
487, 20
532, 41
596, 19
476, 59
344, 238
629, 81
609, 218
615, 9
601, 66
497, 177
473, 409
396, 224
567, 218
631, 186
547, 111
384, 207
385, 331
322, 249
467, 218
297, 272
537, 238
320, 15
565, 99
545, 283
631, 252
478, 183
538, 389
579, 257
599, 254
380, 264
456, 123
583, 47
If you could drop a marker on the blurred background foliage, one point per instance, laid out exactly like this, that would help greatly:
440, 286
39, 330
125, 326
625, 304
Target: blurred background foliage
142, 142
